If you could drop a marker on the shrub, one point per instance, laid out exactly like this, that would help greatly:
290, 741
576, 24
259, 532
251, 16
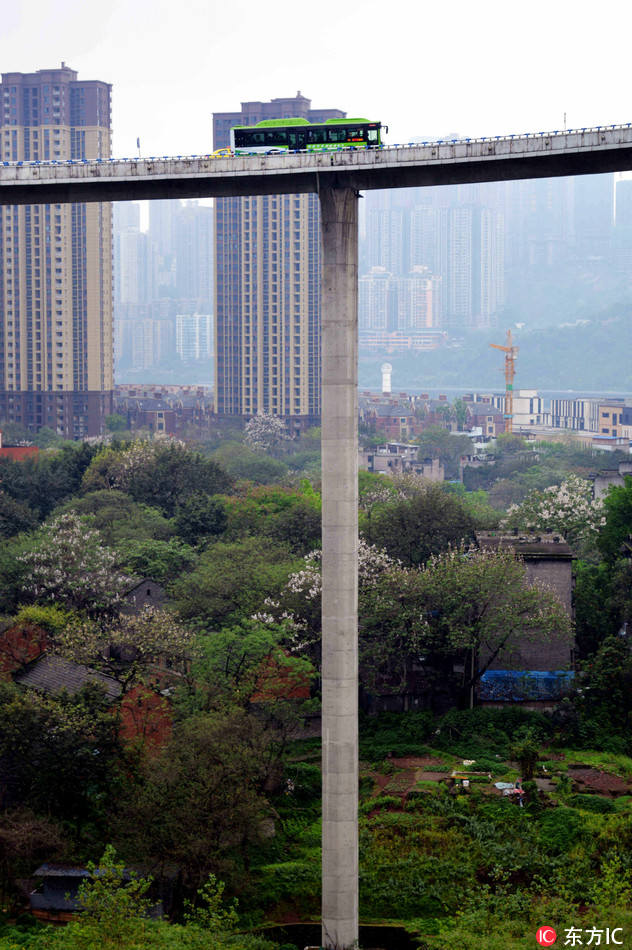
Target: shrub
394, 734
306, 781
366, 786
381, 803
594, 803
560, 829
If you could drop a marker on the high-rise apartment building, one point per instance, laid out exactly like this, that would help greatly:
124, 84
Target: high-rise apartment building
464, 246
56, 347
267, 287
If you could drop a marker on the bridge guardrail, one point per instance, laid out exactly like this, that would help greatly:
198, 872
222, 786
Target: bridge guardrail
513, 138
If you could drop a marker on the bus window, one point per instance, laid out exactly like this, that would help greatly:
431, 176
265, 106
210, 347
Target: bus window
337, 135
296, 139
276, 138
317, 136
372, 135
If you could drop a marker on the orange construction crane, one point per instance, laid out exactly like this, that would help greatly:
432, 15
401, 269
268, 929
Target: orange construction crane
511, 353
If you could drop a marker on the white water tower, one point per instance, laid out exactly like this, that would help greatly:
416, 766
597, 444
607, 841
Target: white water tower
387, 369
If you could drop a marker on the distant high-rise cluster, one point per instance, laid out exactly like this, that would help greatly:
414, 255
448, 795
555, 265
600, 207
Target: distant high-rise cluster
429, 263
486, 250
55, 262
163, 286
267, 287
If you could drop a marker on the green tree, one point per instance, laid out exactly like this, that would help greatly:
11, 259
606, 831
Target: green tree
248, 663
200, 804
478, 605
162, 561
47, 438
240, 461
200, 516
43, 482
231, 580
118, 517
114, 903
159, 474
598, 612
606, 691
14, 516
284, 515
413, 529
460, 413
61, 753
116, 423
526, 752
437, 442
15, 434
615, 538
13, 572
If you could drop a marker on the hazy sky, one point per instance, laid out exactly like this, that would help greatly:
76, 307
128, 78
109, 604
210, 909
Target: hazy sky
422, 68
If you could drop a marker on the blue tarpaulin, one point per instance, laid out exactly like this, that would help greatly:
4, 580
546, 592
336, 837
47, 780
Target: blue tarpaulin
515, 686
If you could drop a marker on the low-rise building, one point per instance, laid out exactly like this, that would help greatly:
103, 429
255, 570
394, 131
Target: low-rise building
536, 671
396, 458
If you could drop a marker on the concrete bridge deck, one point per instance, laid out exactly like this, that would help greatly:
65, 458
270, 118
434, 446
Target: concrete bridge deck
499, 158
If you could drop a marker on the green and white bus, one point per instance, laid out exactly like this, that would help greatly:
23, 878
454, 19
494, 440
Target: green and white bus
299, 135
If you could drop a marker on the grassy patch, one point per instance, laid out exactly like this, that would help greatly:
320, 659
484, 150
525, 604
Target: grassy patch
604, 761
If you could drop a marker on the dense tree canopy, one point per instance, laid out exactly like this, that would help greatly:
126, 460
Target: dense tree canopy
284, 515
42, 482
14, 516
412, 529
231, 580
201, 801
163, 561
240, 461
59, 753
118, 517
160, 474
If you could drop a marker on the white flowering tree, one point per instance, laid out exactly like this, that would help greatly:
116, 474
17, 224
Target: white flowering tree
265, 432
300, 601
464, 604
298, 608
568, 509
70, 566
129, 646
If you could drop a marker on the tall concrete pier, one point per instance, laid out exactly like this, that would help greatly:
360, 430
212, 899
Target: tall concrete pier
339, 215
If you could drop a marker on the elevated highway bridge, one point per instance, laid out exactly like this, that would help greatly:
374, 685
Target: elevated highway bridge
499, 158
337, 177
